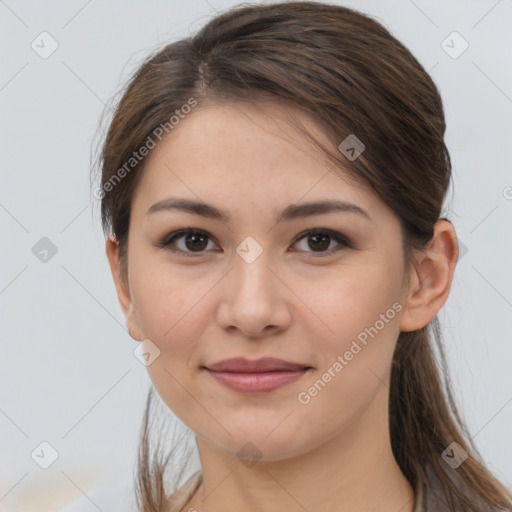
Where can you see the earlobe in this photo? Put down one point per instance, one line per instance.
(430, 285)
(122, 288)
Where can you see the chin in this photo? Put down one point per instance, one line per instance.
(251, 445)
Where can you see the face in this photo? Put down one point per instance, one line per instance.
(320, 288)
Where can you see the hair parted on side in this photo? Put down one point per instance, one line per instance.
(350, 74)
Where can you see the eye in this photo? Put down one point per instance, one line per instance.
(321, 239)
(196, 240)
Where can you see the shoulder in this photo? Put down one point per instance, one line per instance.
(114, 495)
(180, 497)
(431, 498)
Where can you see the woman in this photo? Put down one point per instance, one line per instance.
(271, 189)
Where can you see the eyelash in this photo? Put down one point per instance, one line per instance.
(171, 238)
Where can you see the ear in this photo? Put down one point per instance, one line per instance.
(122, 288)
(431, 280)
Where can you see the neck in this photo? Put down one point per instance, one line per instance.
(354, 471)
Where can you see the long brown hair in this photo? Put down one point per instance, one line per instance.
(347, 71)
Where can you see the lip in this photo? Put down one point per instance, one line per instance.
(264, 364)
(256, 376)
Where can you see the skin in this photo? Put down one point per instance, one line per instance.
(333, 453)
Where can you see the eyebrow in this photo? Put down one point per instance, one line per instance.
(291, 212)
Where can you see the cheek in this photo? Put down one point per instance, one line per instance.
(167, 316)
(356, 337)
(356, 370)
(171, 311)
(169, 303)
(347, 301)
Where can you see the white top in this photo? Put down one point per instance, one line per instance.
(179, 498)
(119, 496)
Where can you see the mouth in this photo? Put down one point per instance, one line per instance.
(259, 376)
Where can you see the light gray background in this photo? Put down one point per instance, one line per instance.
(68, 375)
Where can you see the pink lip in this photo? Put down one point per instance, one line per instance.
(257, 382)
(264, 364)
(258, 376)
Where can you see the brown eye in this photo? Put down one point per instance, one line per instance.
(319, 240)
(193, 241)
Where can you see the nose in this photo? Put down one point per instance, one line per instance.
(255, 301)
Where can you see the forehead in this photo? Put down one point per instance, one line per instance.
(245, 156)
(241, 137)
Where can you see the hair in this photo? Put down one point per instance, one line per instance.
(346, 71)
